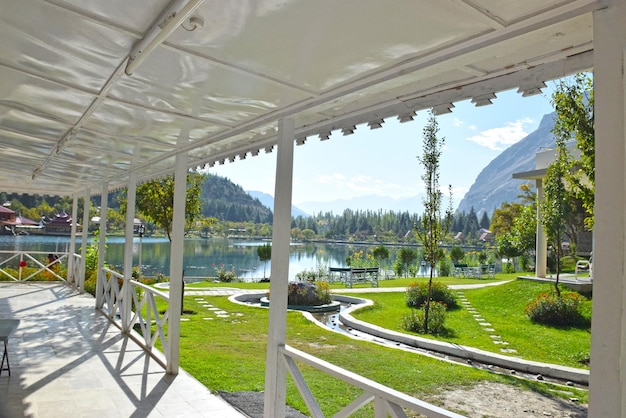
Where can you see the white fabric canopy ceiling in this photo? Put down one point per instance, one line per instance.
(72, 119)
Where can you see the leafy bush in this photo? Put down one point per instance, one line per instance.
(320, 272)
(550, 309)
(416, 294)
(508, 268)
(445, 269)
(308, 294)
(456, 254)
(224, 275)
(414, 320)
(359, 259)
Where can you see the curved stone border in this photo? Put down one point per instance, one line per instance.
(331, 307)
(580, 376)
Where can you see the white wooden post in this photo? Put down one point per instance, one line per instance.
(608, 325)
(70, 258)
(176, 264)
(131, 198)
(275, 369)
(85, 236)
(541, 245)
(104, 207)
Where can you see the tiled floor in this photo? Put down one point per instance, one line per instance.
(67, 360)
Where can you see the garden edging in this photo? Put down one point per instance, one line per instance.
(580, 376)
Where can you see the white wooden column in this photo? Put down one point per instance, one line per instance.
(131, 198)
(70, 258)
(275, 370)
(104, 207)
(541, 245)
(85, 236)
(176, 264)
(607, 397)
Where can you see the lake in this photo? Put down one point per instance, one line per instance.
(200, 255)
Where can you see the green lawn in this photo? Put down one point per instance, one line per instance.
(503, 307)
(228, 354)
(399, 282)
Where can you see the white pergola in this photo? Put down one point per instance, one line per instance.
(98, 95)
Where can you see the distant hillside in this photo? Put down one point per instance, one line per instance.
(495, 184)
(268, 200)
(226, 200)
(370, 202)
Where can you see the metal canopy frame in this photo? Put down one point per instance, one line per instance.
(101, 95)
(215, 85)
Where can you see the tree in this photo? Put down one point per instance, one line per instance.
(405, 257)
(556, 206)
(435, 225)
(380, 253)
(573, 103)
(206, 224)
(155, 200)
(308, 234)
(515, 224)
(265, 254)
(484, 221)
(456, 254)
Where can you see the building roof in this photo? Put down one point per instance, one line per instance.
(6, 210)
(87, 100)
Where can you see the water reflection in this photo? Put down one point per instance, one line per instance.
(200, 255)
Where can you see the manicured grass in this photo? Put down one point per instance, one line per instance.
(228, 354)
(503, 307)
(398, 282)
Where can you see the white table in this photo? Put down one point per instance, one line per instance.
(7, 327)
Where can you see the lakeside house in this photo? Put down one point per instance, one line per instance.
(15, 224)
(60, 224)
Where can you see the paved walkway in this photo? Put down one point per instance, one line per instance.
(68, 360)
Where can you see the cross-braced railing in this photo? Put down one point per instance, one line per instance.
(21, 266)
(146, 313)
(133, 305)
(387, 401)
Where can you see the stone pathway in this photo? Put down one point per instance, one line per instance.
(217, 313)
(486, 326)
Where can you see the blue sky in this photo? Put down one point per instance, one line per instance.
(384, 161)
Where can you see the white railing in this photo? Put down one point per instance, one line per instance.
(77, 274)
(23, 262)
(387, 401)
(138, 308)
(111, 297)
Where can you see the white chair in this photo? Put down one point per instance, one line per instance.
(584, 266)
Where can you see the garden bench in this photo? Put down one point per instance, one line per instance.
(363, 275)
(339, 274)
(350, 276)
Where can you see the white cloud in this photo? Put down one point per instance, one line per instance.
(500, 138)
(360, 185)
(457, 122)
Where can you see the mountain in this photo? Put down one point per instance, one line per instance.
(226, 200)
(268, 200)
(495, 184)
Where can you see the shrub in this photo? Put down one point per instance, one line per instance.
(550, 309)
(416, 294)
(508, 268)
(414, 320)
(308, 294)
(224, 275)
(444, 268)
(320, 272)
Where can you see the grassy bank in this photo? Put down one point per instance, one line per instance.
(503, 307)
(227, 353)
